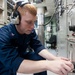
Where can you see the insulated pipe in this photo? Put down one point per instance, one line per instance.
(40, 15)
(40, 21)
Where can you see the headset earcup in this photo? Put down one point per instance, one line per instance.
(15, 18)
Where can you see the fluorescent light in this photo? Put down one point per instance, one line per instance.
(20, 0)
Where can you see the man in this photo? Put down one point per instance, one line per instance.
(14, 41)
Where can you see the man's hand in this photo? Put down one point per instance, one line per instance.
(62, 58)
(60, 67)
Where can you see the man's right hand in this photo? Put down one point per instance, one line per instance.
(60, 67)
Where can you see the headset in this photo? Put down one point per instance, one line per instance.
(15, 16)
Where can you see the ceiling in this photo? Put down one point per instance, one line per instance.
(48, 4)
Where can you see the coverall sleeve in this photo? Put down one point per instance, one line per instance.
(9, 56)
(36, 43)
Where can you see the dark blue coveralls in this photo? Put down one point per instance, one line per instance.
(13, 49)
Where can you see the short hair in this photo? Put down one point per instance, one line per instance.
(27, 7)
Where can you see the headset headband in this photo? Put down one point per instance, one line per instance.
(21, 4)
(16, 17)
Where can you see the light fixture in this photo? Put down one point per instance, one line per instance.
(37, 1)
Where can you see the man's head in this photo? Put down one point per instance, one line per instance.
(27, 16)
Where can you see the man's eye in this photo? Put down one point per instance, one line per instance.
(29, 22)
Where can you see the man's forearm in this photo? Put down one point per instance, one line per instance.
(29, 66)
(47, 55)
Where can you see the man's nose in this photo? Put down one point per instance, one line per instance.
(32, 26)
